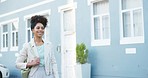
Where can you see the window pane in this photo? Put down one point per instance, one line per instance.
(29, 35)
(6, 40)
(100, 7)
(128, 4)
(96, 28)
(14, 26)
(16, 38)
(5, 28)
(13, 39)
(101, 19)
(105, 27)
(95, 8)
(126, 24)
(137, 23)
(33, 35)
(3, 40)
(68, 20)
(28, 23)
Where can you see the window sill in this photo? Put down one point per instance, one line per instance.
(4, 49)
(103, 42)
(14, 49)
(132, 40)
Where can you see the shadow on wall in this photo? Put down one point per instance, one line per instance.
(14, 76)
(14, 73)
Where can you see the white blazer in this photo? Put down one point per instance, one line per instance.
(29, 52)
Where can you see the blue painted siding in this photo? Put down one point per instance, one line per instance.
(111, 61)
(107, 61)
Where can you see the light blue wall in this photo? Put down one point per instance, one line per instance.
(107, 61)
(145, 6)
(111, 61)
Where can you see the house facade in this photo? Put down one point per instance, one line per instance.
(114, 32)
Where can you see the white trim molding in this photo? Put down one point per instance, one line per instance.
(44, 12)
(8, 21)
(93, 1)
(26, 8)
(132, 40)
(67, 7)
(103, 42)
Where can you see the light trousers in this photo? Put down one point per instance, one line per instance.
(40, 73)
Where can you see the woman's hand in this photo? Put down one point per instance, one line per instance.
(34, 62)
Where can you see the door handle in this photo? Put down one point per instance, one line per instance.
(59, 48)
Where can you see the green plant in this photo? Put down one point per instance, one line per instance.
(81, 53)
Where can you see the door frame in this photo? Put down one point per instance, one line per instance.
(61, 9)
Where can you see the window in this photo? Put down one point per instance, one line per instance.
(5, 37)
(14, 35)
(9, 37)
(100, 23)
(132, 30)
(68, 21)
(29, 33)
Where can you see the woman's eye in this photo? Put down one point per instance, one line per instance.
(40, 27)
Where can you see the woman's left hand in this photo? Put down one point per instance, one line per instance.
(34, 62)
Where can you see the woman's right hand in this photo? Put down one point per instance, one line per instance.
(34, 62)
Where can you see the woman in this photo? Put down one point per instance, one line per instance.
(38, 53)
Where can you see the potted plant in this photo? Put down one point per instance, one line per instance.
(82, 68)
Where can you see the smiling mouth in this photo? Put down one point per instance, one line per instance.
(39, 32)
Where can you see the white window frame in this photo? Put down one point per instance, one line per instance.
(15, 47)
(99, 42)
(130, 40)
(44, 12)
(4, 23)
(8, 22)
(6, 33)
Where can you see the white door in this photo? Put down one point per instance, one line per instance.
(68, 44)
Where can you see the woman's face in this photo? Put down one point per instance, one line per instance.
(38, 30)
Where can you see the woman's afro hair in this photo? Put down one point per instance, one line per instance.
(38, 19)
